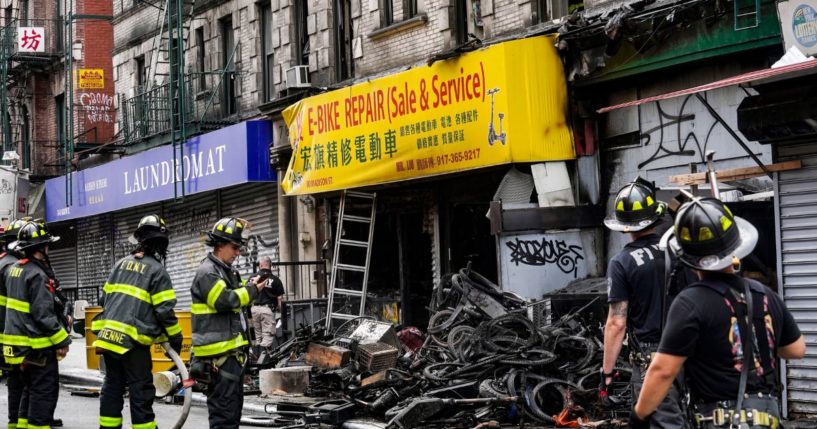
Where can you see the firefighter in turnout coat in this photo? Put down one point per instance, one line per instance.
(220, 324)
(15, 377)
(137, 311)
(35, 334)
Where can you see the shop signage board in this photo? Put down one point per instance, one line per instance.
(91, 79)
(31, 39)
(798, 24)
(501, 104)
(226, 157)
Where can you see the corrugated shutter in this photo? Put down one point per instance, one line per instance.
(796, 213)
(257, 203)
(187, 222)
(64, 263)
(94, 250)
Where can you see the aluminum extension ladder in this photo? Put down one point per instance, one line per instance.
(344, 292)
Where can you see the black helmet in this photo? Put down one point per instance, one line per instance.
(229, 230)
(707, 236)
(32, 235)
(11, 230)
(636, 208)
(150, 227)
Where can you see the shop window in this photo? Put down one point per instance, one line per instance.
(267, 60)
(200, 53)
(7, 15)
(344, 58)
(301, 33)
(228, 100)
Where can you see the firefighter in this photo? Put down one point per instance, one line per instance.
(730, 365)
(16, 393)
(137, 311)
(635, 294)
(35, 336)
(220, 325)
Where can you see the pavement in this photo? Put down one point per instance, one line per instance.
(83, 411)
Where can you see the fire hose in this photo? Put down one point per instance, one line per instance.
(168, 384)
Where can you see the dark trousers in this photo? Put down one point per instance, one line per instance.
(18, 396)
(668, 415)
(225, 397)
(43, 386)
(131, 370)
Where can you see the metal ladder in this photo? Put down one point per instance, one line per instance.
(336, 292)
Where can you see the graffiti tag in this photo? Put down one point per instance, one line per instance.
(98, 107)
(543, 251)
(675, 134)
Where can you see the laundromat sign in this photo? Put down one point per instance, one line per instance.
(229, 156)
(504, 103)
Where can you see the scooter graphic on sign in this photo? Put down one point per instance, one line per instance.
(492, 135)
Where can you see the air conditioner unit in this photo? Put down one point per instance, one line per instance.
(298, 77)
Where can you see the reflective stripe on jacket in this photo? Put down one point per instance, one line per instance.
(137, 306)
(218, 296)
(6, 260)
(32, 322)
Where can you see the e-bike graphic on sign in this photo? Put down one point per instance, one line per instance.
(493, 136)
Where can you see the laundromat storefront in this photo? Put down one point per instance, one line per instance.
(226, 173)
(502, 104)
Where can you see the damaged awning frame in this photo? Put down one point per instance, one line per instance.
(751, 78)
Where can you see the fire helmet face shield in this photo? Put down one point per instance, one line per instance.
(635, 208)
(709, 237)
(33, 234)
(229, 230)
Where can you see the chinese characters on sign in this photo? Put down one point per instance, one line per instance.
(464, 113)
(91, 79)
(30, 39)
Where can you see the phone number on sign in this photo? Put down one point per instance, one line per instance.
(455, 157)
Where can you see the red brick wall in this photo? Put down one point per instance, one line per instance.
(95, 107)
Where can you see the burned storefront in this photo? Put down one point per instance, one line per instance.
(430, 148)
(661, 111)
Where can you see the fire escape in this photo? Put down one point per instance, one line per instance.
(168, 109)
(27, 47)
(32, 52)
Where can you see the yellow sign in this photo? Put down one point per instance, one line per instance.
(91, 79)
(504, 103)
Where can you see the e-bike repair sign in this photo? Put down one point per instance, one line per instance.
(501, 104)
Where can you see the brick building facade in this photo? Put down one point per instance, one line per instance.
(35, 78)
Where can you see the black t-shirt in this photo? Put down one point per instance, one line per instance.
(635, 275)
(702, 326)
(269, 295)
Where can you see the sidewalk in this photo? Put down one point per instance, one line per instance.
(73, 370)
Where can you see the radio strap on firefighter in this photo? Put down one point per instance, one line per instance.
(747, 336)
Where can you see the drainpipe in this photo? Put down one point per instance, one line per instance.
(279, 160)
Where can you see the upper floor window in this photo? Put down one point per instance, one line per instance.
(301, 33)
(267, 59)
(200, 53)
